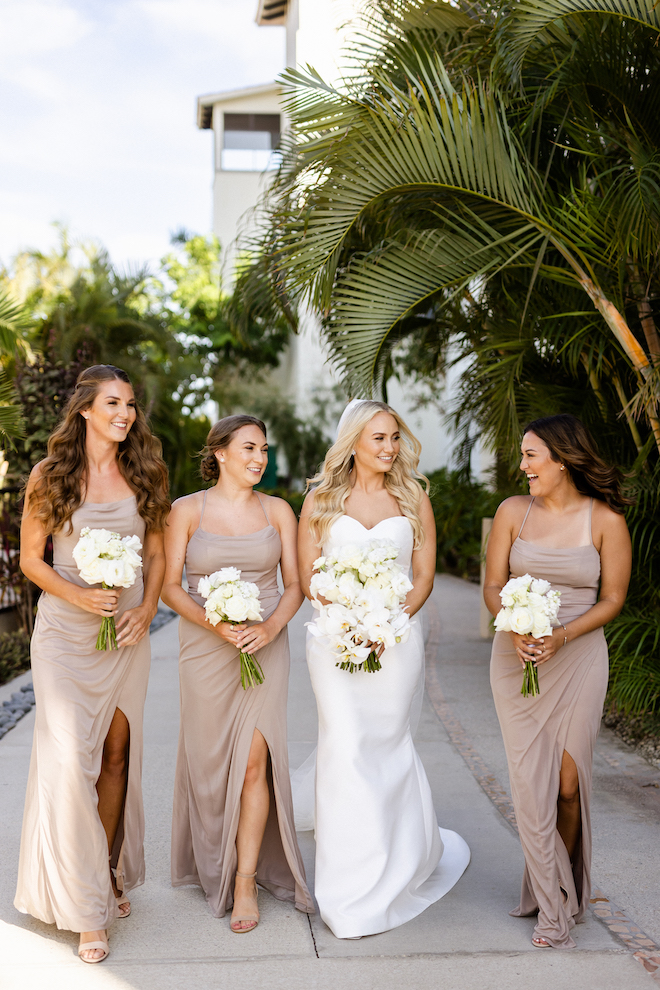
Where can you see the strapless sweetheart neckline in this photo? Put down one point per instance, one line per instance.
(368, 529)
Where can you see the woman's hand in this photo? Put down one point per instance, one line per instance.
(98, 601)
(134, 625)
(228, 631)
(526, 647)
(255, 637)
(539, 650)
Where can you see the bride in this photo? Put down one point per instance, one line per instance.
(380, 857)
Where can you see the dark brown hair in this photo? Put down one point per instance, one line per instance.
(58, 491)
(220, 436)
(570, 443)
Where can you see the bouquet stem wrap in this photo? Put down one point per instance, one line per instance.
(530, 684)
(107, 638)
(251, 672)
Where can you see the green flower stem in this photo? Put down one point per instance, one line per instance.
(251, 672)
(107, 638)
(530, 684)
(370, 665)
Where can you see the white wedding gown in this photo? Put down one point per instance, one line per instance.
(380, 857)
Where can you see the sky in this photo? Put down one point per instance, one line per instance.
(98, 116)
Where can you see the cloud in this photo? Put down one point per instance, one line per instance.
(30, 27)
(97, 114)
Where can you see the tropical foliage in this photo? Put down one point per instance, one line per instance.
(483, 188)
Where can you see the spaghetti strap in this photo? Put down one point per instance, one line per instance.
(591, 509)
(262, 506)
(199, 524)
(526, 514)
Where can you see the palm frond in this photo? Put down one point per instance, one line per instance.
(534, 24)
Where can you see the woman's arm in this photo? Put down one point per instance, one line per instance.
(134, 623)
(256, 637)
(308, 549)
(181, 524)
(507, 519)
(615, 567)
(423, 560)
(33, 543)
(500, 541)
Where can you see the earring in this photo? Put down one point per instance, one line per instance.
(352, 453)
(562, 467)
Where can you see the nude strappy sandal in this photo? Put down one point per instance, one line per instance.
(250, 917)
(85, 946)
(121, 900)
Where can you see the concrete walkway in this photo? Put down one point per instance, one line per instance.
(465, 940)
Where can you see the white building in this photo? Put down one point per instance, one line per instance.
(246, 125)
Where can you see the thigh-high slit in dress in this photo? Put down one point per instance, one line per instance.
(218, 721)
(565, 717)
(63, 875)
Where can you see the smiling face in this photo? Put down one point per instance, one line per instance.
(245, 458)
(542, 471)
(112, 414)
(378, 444)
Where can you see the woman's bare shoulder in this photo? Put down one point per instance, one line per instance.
(277, 508)
(187, 506)
(605, 519)
(513, 508)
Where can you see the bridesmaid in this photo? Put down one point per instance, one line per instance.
(84, 794)
(575, 536)
(233, 817)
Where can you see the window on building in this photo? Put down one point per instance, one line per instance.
(250, 142)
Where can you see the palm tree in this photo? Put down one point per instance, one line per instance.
(480, 144)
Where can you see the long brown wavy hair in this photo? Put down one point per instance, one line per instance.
(570, 443)
(58, 491)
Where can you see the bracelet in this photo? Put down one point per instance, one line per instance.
(566, 634)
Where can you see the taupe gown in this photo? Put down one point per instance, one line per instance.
(565, 716)
(63, 875)
(218, 720)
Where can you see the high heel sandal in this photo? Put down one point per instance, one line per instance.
(85, 946)
(120, 897)
(250, 917)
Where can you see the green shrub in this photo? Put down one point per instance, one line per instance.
(14, 654)
(459, 505)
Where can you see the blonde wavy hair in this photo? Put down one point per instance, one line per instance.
(332, 484)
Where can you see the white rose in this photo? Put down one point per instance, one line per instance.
(226, 574)
(503, 620)
(521, 620)
(541, 627)
(254, 610)
(204, 587)
(348, 587)
(92, 572)
(236, 608)
(401, 584)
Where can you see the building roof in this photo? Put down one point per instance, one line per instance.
(271, 12)
(206, 103)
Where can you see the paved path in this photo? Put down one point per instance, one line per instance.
(465, 940)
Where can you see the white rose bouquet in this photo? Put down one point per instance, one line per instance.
(366, 589)
(529, 606)
(112, 561)
(228, 599)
